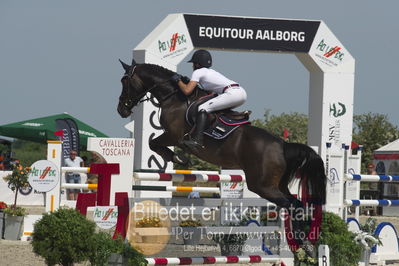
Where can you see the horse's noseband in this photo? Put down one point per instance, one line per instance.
(129, 103)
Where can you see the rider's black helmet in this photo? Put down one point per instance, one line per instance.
(202, 57)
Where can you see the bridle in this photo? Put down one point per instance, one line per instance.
(129, 103)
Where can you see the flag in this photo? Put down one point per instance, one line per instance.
(354, 145)
(59, 133)
(286, 134)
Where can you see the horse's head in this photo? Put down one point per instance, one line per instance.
(132, 90)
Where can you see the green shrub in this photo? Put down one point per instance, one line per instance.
(344, 251)
(134, 258)
(63, 237)
(102, 246)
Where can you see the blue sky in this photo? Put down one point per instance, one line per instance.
(62, 56)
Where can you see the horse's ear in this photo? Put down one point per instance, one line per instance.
(125, 66)
(133, 62)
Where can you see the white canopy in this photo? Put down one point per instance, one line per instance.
(392, 147)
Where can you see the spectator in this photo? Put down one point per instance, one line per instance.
(95, 158)
(73, 161)
(194, 195)
(1, 161)
(371, 169)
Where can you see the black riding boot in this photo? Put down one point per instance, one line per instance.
(197, 137)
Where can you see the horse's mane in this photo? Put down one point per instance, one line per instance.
(158, 69)
(166, 73)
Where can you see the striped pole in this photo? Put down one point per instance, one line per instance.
(79, 186)
(188, 177)
(371, 178)
(177, 189)
(371, 202)
(211, 260)
(75, 169)
(148, 188)
(166, 171)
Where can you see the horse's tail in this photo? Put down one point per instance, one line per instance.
(303, 160)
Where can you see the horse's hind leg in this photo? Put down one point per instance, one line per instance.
(266, 185)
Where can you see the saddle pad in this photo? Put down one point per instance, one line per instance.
(223, 127)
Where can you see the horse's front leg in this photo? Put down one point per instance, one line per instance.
(160, 145)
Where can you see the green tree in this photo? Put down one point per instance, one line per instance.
(28, 152)
(372, 131)
(344, 251)
(295, 123)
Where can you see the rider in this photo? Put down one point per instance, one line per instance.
(230, 93)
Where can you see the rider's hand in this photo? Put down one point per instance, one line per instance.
(176, 78)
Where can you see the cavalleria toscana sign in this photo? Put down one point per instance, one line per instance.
(43, 176)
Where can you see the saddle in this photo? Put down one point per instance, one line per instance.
(221, 123)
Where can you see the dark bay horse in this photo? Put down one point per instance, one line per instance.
(269, 162)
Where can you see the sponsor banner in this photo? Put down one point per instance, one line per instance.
(334, 185)
(251, 33)
(44, 176)
(61, 124)
(171, 43)
(338, 109)
(232, 190)
(75, 138)
(105, 216)
(71, 138)
(329, 53)
(116, 150)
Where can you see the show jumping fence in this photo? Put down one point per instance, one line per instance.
(211, 260)
(344, 188)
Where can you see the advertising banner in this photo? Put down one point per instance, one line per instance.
(44, 176)
(105, 216)
(242, 33)
(71, 138)
(116, 150)
(75, 140)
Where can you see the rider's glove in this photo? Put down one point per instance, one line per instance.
(176, 78)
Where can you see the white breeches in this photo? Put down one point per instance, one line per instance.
(231, 98)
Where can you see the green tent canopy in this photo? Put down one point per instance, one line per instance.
(43, 128)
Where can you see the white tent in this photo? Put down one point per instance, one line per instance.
(390, 148)
(386, 160)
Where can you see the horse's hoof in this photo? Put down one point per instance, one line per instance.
(192, 144)
(309, 248)
(180, 159)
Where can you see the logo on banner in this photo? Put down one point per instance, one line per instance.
(334, 132)
(331, 55)
(232, 190)
(333, 177)
(337, 110)
(173, 46)
(43, 176)
(105, 216)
